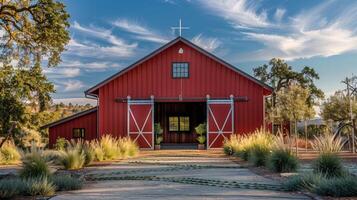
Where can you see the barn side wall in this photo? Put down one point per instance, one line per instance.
(153, 77)
(64, 130)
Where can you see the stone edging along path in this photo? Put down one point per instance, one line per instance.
(118, 175)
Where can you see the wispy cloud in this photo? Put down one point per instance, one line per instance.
(116, 46)
(89, 49)
(324, 30)
(140, 32)
(60, 72)
(73, 85)
(313, 33)
(240, 13)
(279, 14)
(207, 43)
(96, 65)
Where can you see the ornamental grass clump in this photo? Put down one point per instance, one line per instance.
(9, 188)
(66, 182)
(259, 148)
(9, 153)
(328, 162)
(97, 150)
(35, 164)
(303, 182)
(345, 186)
(282, 159)
(254, 147)
(232, 144)
(73, 157)
(39, 186)
(328, 143)
(110, 147)
(127, 147)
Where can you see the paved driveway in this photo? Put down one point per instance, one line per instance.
(174, 174)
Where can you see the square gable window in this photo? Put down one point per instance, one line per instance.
(180, 70)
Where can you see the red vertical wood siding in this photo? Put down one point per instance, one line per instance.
(153, 77)
(64, 130)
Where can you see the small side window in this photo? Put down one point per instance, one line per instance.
(79, 132)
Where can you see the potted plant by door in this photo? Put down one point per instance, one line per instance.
(201, 135)
(158, 136)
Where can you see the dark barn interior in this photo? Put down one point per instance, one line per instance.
(178, 121)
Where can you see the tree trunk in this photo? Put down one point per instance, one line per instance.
(296, 138)
(305, 135)
(354, 137)
(8, 135)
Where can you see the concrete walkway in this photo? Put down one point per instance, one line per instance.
(174, 174)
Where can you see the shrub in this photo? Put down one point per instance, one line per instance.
(328, 164)
(34, 164)
(9, 188)
(66, 182)
(201, 130)
(61, 144)
(282, 161)
(158, 133)
(127, 147)
(9, 153)
(337, 187)
(39, 186)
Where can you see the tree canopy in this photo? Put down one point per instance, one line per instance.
(32, 32)
(33, 29)
(19, 89)
(337, 108)
(278, 74)
(292, 104)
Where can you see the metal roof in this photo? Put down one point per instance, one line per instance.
(69, 118)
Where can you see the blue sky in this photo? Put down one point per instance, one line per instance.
(109, 35)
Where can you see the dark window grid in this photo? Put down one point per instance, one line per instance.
(180, 70)
(78, 132)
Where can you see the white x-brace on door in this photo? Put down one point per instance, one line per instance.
(220, 121)
(141, 122)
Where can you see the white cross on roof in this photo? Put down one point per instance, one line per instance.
(180, 27)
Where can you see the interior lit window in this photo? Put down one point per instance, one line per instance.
(184, 123)
(173, 124)
(179, 123)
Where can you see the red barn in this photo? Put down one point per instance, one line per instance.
(179, 86)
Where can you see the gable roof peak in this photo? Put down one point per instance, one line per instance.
(91, 91)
